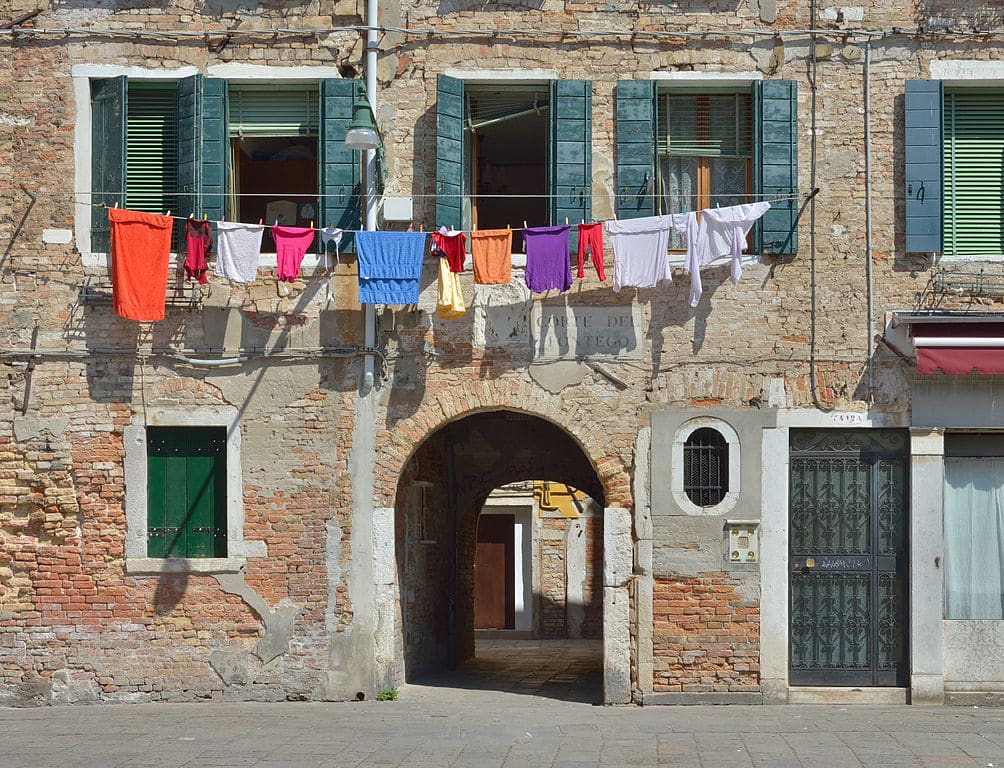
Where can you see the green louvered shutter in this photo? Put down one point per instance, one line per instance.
(635, 137)
(775, 164)
(973, 165)
(449, 152)
(922, 150)
(202, 146)
(339, 165)
(109, 101)
(186, 492)
(571, 154)
(152, 147)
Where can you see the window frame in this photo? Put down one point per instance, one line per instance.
(236, 74)
(678, 457)
(137, 560)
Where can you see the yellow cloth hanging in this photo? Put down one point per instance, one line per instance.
(451, 300)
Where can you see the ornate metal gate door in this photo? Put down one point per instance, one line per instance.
(848, 557)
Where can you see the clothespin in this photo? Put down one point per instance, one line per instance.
(168, 214)
(566, 221)
(582, 221)
(311, 223)
(509, 227)
(276, 223)
(524, 224)
(116, 203)
(421, 227)
(191, 216)
(259, 222)
(205, 217)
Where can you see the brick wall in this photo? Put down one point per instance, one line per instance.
(705, 635)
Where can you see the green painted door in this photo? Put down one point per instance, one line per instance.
(848, 557)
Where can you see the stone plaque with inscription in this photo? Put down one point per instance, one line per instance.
(561, 330)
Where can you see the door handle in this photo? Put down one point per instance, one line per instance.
(810, 563)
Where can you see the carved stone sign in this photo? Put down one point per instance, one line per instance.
(560, 330)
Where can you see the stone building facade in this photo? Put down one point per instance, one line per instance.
(835, 449)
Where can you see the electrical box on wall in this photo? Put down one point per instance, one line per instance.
(743, 541)
(397, 209)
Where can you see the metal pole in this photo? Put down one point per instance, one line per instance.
(370, 178)
(868, 219)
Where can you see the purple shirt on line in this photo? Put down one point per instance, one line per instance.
(547, 263)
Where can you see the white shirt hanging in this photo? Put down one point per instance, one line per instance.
(641, 251)
(723, 234)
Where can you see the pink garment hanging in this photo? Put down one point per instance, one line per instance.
(291, 244)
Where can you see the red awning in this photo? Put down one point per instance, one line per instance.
(959, 348)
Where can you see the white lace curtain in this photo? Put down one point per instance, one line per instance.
(974, 538)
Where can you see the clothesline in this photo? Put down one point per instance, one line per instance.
(261, 222)
(535, 196)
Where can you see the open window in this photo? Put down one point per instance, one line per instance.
(513, 152)
(274, 142)
(705, 152)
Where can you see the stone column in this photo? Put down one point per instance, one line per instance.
(644, 581)
(388, 665)
(927, 552)
(774, 567)
(617, 567)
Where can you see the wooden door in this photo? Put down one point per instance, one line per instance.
(495, 573)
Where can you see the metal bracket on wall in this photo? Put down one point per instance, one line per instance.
(184, 297)
(960, 283)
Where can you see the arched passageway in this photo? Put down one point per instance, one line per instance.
(441, 494)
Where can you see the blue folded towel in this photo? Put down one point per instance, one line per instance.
(390, 266)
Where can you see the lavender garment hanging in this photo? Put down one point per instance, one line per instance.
(548, 266)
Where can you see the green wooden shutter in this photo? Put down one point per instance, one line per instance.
(152, 148)
(973, 165)
(203, 146)
(922, 151)
(449, 152)
(186, 492)
(571, 153)
(635, 137)
(109, 101)
(775, 164)
(339, 171)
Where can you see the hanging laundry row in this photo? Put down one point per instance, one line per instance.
(390, 263)
(141, 250)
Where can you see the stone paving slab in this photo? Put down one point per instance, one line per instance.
(436, 726)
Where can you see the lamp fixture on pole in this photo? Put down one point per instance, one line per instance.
(362, 132)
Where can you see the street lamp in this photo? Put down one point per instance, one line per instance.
(362, 132)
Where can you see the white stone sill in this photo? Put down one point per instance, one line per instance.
(152, 566)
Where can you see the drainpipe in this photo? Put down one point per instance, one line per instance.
(370, 179)
(868, 217)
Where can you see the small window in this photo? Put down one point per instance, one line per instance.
(186, 492)
(705, 148)
(706, 467)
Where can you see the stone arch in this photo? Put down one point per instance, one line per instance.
(609, 453)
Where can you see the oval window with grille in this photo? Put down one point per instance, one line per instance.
(706, 467)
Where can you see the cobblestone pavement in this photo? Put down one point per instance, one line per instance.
(507, 709)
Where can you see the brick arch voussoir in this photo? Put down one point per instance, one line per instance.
(472, 398)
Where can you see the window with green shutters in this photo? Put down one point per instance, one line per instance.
(691, 146)
(186, 492)
(159, 146)
(973, 166)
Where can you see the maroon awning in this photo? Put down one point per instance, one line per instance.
(959, 348)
